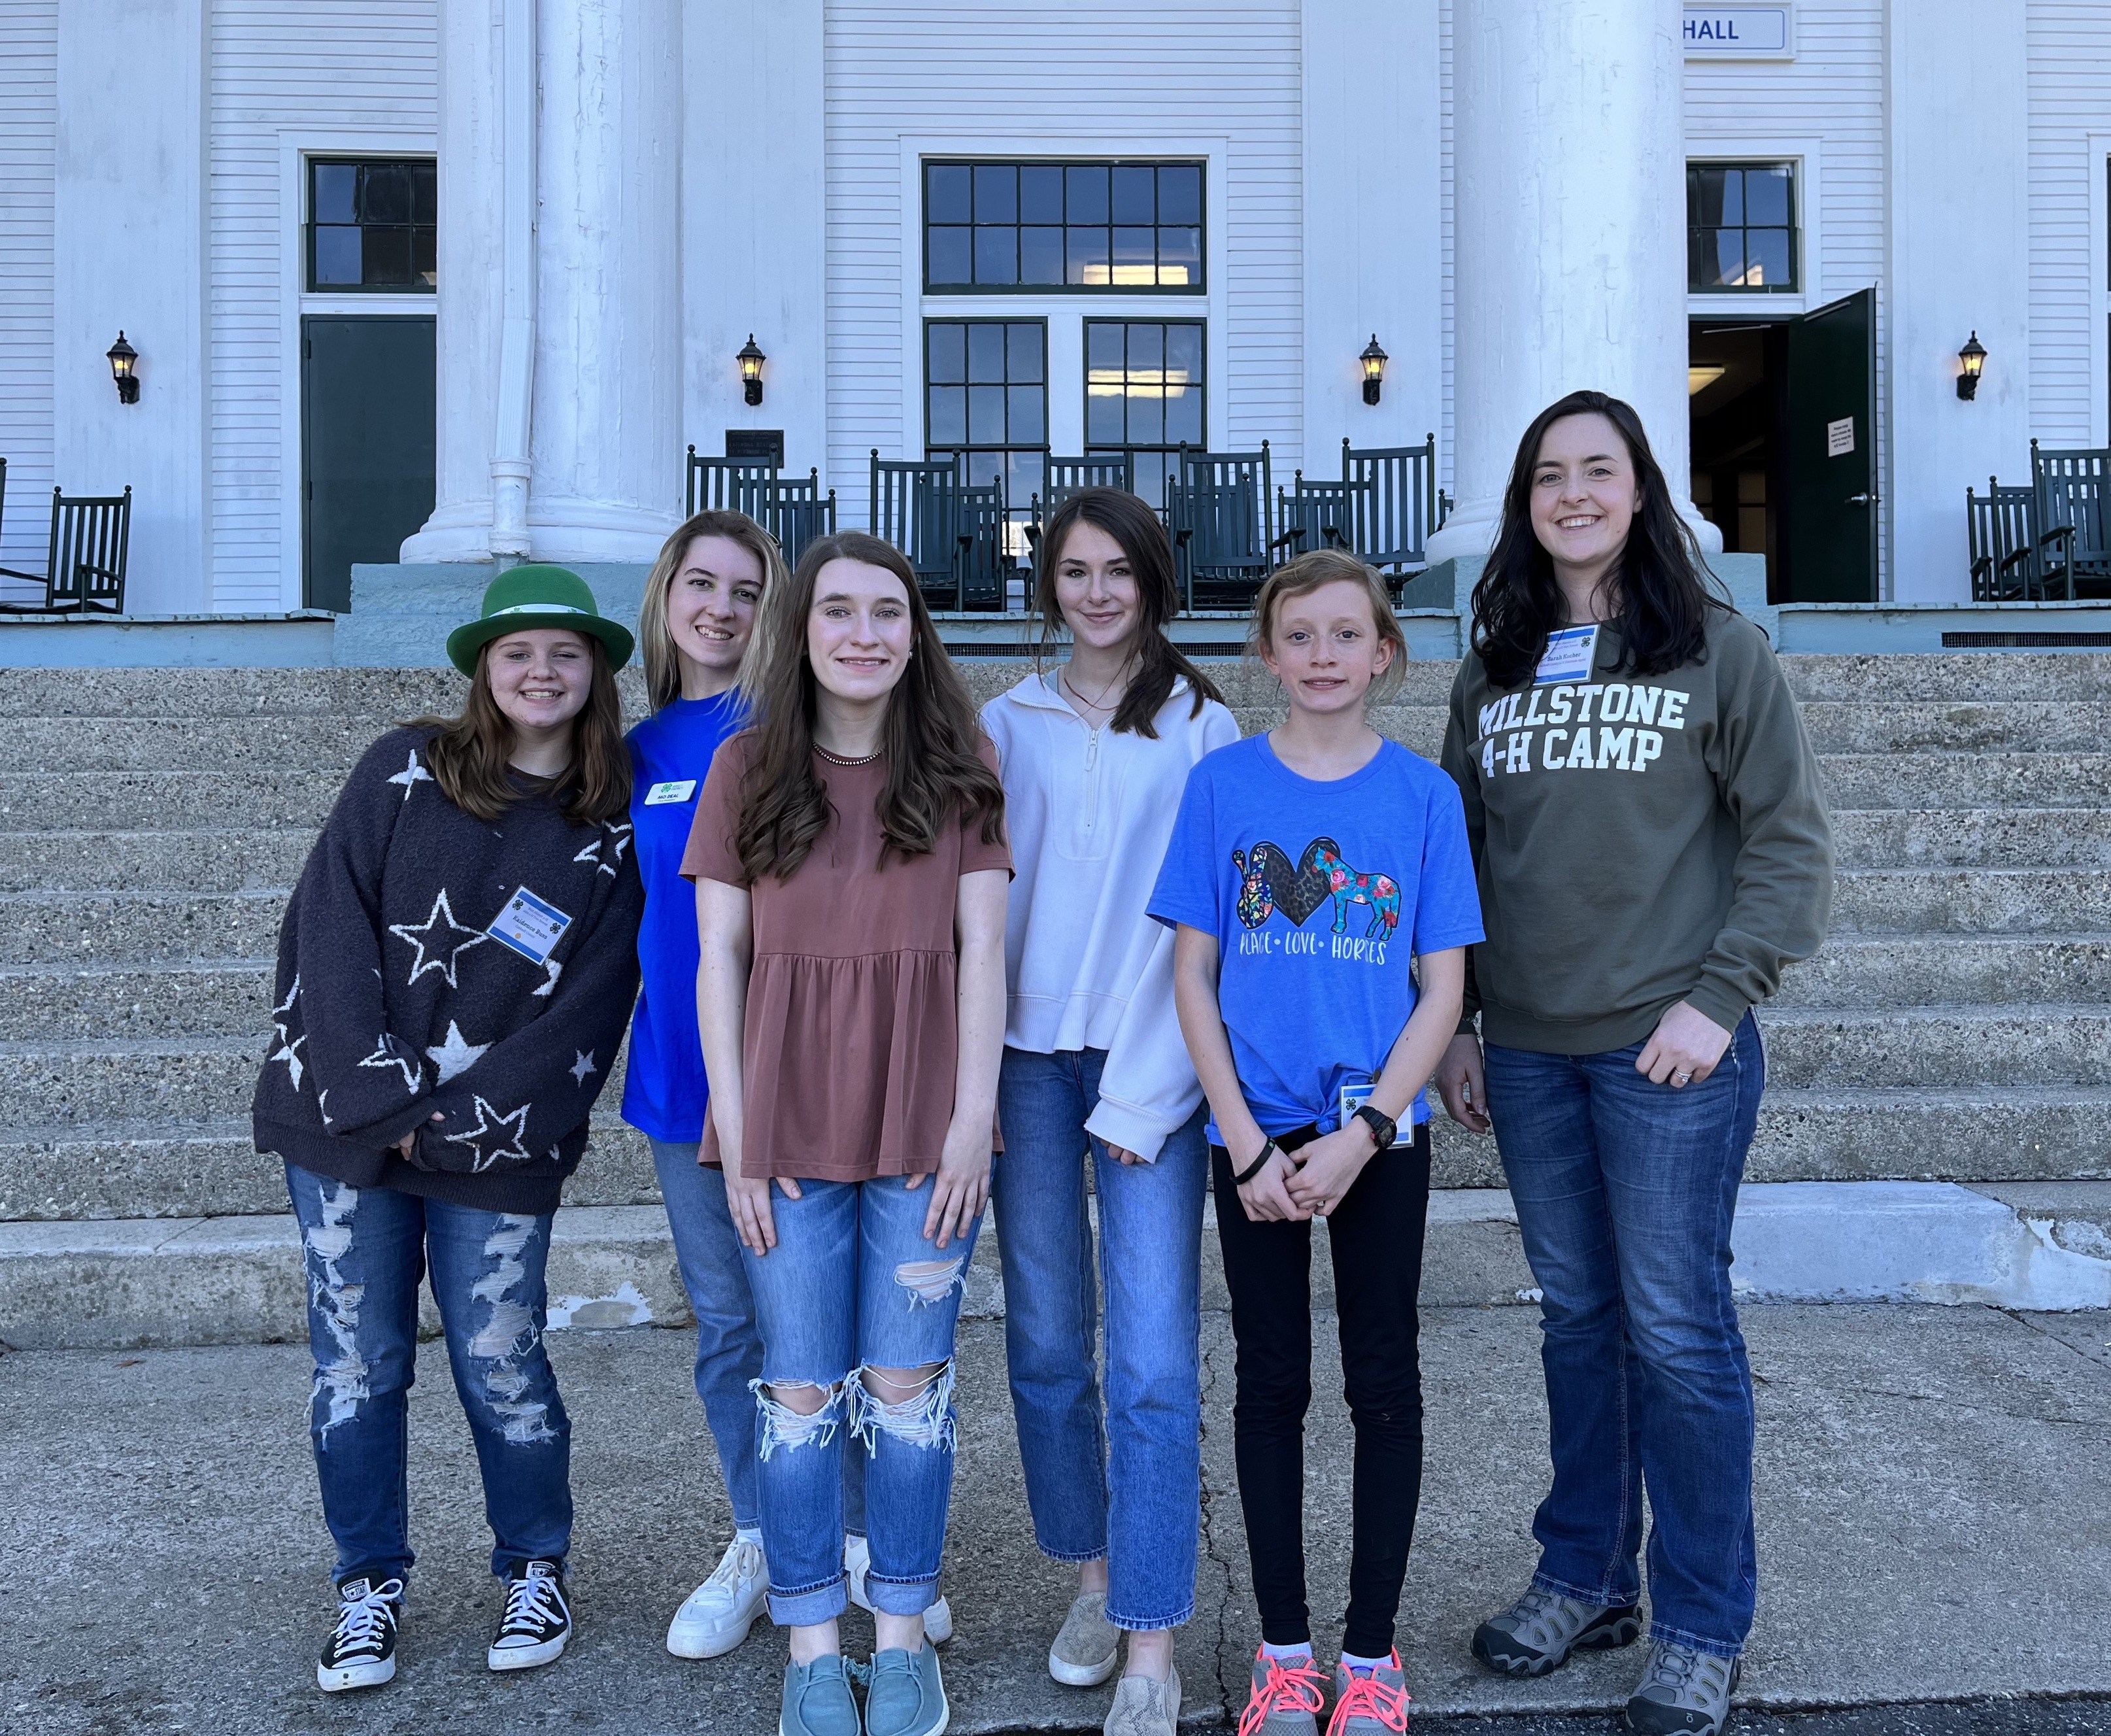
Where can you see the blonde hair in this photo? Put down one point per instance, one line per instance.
(1306, 573)
(655, 638)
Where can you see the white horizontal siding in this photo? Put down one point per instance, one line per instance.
(1448, 298)
(314, 66)
(1153, 75)
(29, 123)
(2070, 85)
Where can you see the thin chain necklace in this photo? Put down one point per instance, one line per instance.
(1100, 704)
(841, 759)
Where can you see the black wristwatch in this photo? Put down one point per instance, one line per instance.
(1382, 1126)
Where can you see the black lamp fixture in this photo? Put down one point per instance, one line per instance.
(1973, 356)
(123, 359)
(751, 360)
(1373, 360)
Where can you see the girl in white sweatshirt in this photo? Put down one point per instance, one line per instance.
(1094, 758)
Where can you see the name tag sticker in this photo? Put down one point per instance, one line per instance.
(661, 794)
(530, 925)
(1571, 654)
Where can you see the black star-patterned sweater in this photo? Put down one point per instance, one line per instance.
(432, 962)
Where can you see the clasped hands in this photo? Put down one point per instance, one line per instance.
(1294, 1187)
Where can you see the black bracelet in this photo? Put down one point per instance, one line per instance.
(1268, 1149)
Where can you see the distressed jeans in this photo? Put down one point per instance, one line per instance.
(365, 1250)
(1130, 1491)
(729, 1344)
(853, 1285)
(1625, 1194)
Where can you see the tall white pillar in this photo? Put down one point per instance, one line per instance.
(602, 372)
(1568, 225)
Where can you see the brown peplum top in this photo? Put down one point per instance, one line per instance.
(852, 1041)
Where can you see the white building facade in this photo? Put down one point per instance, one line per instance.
(465, 278)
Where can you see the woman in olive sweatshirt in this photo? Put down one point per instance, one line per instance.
(1652, 848)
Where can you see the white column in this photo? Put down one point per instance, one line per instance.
(1958, 169)
(604, 452)
(129, 225)
(1569, 203)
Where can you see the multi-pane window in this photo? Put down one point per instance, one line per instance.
(986, 401)
(1740, 226)
(373, 225)
(1143, 390)
(1056, 225)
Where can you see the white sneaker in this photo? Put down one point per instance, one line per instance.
(716, 1616)
(857, 1562)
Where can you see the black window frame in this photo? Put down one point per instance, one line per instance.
(976, 225)
(1094, 447)
(411, 227)
(1791, 170)
(1017, 503)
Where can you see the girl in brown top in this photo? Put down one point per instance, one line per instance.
(851, 874)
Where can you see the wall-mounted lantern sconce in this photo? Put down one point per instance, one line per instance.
(1373, 360)
(751, 360)
(1973, 356)
(123, 359)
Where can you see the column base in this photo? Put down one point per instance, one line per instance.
(570, 532)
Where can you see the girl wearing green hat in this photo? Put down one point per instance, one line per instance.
(455, 972)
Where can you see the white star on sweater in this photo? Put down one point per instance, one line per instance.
(489, 1121)
(288, 1052)
(552, 970)
(582, 1065)
(445, 950)
(383, 1057)
(411, 775)
(456, 1055)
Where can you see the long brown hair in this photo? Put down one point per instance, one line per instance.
(655, 641)
(1132, 524)
(930, 736)
(470, 755)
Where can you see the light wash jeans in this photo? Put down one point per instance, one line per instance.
(1625, 1193)
(1130, 1491)
(853, 1284)
(728, 1346)
(365, 1250)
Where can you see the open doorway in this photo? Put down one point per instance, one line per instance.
(1783, 445)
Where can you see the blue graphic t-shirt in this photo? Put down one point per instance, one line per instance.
(664, 1091)
(1320, 894)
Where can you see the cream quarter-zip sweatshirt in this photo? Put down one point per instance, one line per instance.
(1089, 812)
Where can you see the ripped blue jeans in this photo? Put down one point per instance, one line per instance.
(365, 1250)
(852, 1286)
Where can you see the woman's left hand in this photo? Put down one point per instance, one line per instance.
(960, 1186)
(1684, 1048)
(1329, 1167)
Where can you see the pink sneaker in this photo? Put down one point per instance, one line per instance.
(1369, 1701)
(1288, 1693)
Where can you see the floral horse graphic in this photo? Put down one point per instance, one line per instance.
(1270, 881)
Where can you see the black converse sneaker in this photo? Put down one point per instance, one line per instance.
(538, 1619)
(361, 1652)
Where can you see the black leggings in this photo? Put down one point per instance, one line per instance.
(1376, 1236)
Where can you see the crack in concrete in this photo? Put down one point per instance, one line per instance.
(2021, 1319)
(1223, 1638)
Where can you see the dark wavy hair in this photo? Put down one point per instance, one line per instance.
(1660, 585)
(470, 756)
(930, 735)
(1133, 525)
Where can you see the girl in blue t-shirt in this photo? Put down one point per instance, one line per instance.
(693, 625)
(1308, 867)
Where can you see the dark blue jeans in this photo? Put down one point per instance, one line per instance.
(1625, 1193)
(365, 1250)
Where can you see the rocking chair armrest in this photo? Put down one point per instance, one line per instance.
(1295, 534)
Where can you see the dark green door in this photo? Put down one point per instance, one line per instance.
(367, 420)
(1831, 438)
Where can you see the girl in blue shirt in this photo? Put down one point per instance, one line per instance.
(1307, 866)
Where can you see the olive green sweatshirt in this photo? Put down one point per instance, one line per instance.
(1639, 841)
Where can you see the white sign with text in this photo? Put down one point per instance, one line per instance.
(1739, 32)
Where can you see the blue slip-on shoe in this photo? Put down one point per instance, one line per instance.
(905, 1696)
(818, 1699)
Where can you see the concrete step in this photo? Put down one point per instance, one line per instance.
(138, 927)
(138, 1003)
(262, 796)
(1980, 1133)
(1944, 1047)
(231, 860)
(1972, 837)
(1945, 677)
(1875, 971)
(67, 745)
(188, 1078)
(1871, 900)
(236, 692)
(132, 1284)
(1965, 780)
(1952, 726)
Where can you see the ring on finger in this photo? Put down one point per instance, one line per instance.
(1682, 1077)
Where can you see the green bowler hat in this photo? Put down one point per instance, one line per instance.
(535, 595)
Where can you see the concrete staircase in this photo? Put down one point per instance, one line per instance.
(1954, 1036)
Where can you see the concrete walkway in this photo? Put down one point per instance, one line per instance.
(1933, 1526)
